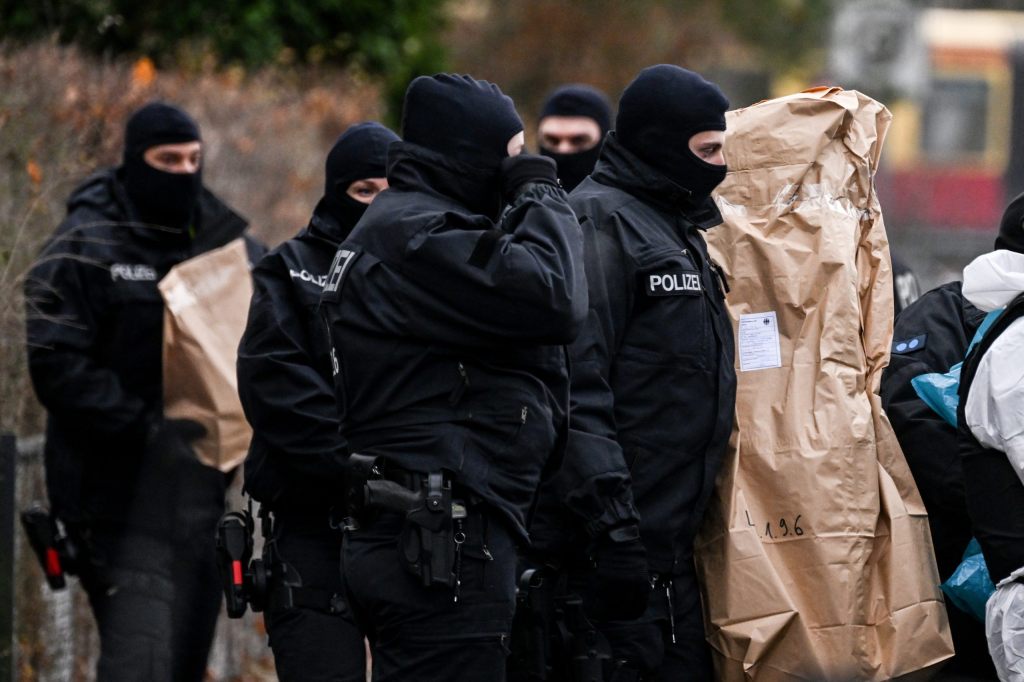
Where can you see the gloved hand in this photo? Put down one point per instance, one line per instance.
(523, 169)
(621, 581)
(170, 441)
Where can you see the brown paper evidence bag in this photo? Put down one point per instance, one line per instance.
(206, 301)
(815, 556)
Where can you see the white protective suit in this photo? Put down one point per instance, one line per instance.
(995, 415)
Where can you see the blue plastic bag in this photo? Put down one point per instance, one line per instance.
(970, 586)
(941, 391)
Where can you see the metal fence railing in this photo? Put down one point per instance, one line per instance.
(49, 636)
(8, 456)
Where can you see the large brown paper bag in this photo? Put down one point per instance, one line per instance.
(206, 303)
(815, 555)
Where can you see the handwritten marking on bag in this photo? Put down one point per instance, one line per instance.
(784, 528)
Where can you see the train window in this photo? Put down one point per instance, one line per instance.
(954, 119)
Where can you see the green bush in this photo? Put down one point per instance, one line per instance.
(394, 39)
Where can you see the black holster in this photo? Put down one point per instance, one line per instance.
(530, 645)
(428, 542)
(286, 589)
(57, 552)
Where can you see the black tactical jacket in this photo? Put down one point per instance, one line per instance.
(448, 328)
(297, 456)
(931, 335)
(653, 388)
(95, 333)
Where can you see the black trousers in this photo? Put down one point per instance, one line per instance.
(156, 604)
(422, 633)
(152, 577)
(666, 644)
(312, 632)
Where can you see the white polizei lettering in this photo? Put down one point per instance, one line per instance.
(133, 273)
(342, 259)
(307, 276)
(675, 282)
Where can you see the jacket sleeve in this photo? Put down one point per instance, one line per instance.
(289, 403)
(995, 404)
(518, 279)
(594, 479)
(63, 335)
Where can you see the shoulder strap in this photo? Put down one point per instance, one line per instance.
(996, 325)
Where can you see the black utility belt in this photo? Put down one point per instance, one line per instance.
(376, 485)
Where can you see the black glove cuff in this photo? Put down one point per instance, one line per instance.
(524, 169)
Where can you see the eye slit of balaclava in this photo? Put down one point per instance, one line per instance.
(159, 197)
(360, 152)
(660, 111)
(577, 100)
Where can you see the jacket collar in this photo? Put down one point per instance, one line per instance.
(325, 226)
(619, 167)
(415, 168)
(103, 193)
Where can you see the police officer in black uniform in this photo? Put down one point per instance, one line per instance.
(571, 126)
(139, 505)
(653, 388)
(296, 462)
(446, 314)
(932, 335)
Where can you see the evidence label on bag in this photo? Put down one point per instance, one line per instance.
(757, 341)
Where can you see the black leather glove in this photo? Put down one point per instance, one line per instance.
(170, 440)
(621, 581)
(523, 169)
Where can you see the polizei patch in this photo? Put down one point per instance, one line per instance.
(343, 260)
(675, 283)
(307, 276)
(132, 273)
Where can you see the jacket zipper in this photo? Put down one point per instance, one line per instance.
(460, 388)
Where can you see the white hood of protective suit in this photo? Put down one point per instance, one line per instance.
(995, 404)
(994, 279)
(995, 415)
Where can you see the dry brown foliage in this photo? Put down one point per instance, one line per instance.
(62, 115)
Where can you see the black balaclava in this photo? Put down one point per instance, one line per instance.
(577, 100)
(1011, 227)
(159, 197)
(467, 120)
(660, 111)
(360, 152)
